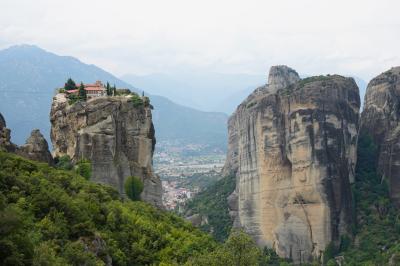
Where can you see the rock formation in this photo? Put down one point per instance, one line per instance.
(36, 147)
(292, 147)
(117, 137)
(380, 119)
(5, 136)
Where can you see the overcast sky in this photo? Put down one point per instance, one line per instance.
(357, 37)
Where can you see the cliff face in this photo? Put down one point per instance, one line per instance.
(5, 136)
(117, 137)
(380, 119)
(36, 147)
(292, 147)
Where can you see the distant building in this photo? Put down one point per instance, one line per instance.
(92, 90)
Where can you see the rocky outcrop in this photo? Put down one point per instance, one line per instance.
(380, 119)
(114, 134)
(5, 136)
(36, 147)
(292, 147)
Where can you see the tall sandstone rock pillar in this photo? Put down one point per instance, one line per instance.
(381, 120)
(116, 136)
(292, 147)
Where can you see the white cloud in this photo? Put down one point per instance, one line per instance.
(360, 37)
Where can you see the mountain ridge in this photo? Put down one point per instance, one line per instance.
(30, 74)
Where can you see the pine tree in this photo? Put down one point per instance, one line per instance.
(82, 92)
(70, 85)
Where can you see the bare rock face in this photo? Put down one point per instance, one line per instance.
(5, 136)
(36, 148)
(380, 119)
(280, 77)
(117, 137)
(292, 147)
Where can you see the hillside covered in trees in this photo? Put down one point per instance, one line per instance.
(50, 216)
(56, 217)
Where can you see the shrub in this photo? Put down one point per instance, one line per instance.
(84, 168)
(133, 187)
(63, 162)
(137, 100)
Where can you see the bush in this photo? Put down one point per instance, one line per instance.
(64, 162)
(137, 100)
(240, 249)
(133, 187)
(84, 168)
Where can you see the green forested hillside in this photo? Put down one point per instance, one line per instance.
(376, 239)
(55, 217)
(213, 204)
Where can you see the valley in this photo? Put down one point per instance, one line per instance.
(185, 170)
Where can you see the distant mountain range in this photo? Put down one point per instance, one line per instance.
(29, 76)
(206, 91)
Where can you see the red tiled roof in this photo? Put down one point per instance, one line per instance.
(94, 89)
(72, 91)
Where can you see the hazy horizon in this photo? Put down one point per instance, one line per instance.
(358, 38)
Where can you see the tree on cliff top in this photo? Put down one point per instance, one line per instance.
(82, 92)
(109, 89)
(70, 85)
(133, 187)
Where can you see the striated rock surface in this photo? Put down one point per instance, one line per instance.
(117, 137)
(380, 119)
(292, 147)
(5, 136)
(36, 148)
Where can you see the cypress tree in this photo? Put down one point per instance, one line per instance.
(108, 89)
(82, 92)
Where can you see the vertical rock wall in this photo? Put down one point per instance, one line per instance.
(117, 137)
(380, 119)
(292, 146)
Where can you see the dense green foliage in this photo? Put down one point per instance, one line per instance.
(55, 217)
(70, 85)
(84, 168)
(377, 232)
(133, 187)
(64, 162)
(136, 100)
(212, 203)
(82, 93)
(238, 250)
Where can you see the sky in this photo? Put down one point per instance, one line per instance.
(349, 37)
